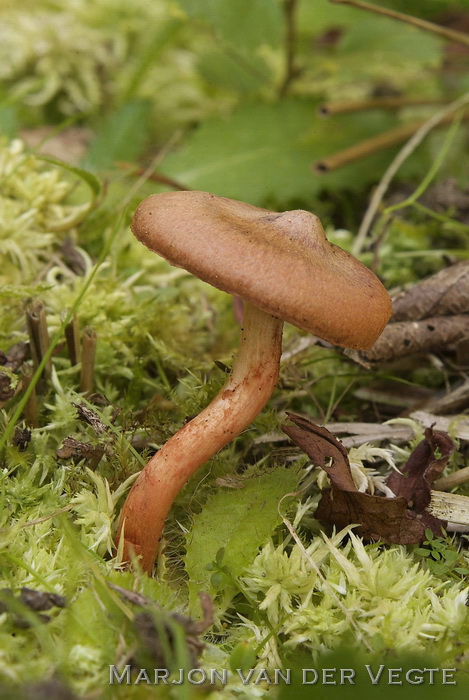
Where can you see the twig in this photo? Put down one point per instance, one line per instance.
(38, 521)
(366, 148)
(455, 479)
(291, 70)
(329, 109)
(445, 32)
(154, 177)
(72, 336)
(87, 360)
(38, 335)
(30, 409)
(396, 163)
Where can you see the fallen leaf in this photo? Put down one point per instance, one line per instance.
(76, 450)
(428, 316)
(407, 337)
(400, 520)
(21, 438)
(87, 415)
(444, 294)
(422, 468)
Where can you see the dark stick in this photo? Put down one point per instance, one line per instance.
(291, 70)
(87, 360)
(38, 334)
(72, 336)
(446, 32)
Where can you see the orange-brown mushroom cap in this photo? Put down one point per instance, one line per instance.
(280, 262)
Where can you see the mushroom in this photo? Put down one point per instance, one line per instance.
(284, 268)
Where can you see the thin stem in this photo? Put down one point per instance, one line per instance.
(38, 334)
(87, 360)
(72, 336)
(329, 109)
(446, 32)
(408, 148)
(457, 225)
(366, 148)
(30, 409)
(251, 383)
(291, 71)
(436, 165)
(452, 480)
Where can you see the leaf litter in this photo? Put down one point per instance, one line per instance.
(431, 315)
(399, 520)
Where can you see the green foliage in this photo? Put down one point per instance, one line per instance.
(264, 153)
(122, 135)
(443, 558)
(244, 24)
(253, 518)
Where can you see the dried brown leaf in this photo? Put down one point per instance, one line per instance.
(407, 337)
(426, 317)
(391, 520)
(424, 465)
(87, 415)
(443, 294)
(76, 450)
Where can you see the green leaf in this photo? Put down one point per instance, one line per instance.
(88, 178)
(221, 68)
(437, 568)
(450, 556)
(438, 545)
(239, 520)
(264, 152)
(376, 39)
(121, 136)
(245, 24)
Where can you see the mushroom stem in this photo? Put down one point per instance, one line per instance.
(248, 389)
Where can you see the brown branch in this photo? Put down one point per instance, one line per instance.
(329, 109)
(461, 476)
(154, 177)
(30, 410)
(38, 334)
(445, 32)
(407, 337)
(87, 360)
(366, 148)
(72, 336)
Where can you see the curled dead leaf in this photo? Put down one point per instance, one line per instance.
(407, 337)
(444, 294)
(428, 316)
(400, 520)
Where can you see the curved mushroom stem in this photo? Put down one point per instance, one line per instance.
(250, 386)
